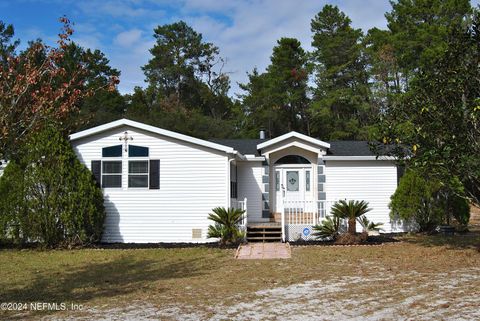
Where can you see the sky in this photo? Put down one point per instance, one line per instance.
(244, 31)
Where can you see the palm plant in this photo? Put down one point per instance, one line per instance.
(226, 224)
(329, 228)
(350, 210)
(368, 225)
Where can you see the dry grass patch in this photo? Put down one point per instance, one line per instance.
(206, 282)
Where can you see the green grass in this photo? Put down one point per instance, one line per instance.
(112, 277)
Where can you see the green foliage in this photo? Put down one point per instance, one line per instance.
(454, 202)
(277, 99)
(329, 228)
(428, 201)
(416, 199)
(188, 70)
(368, 225)
(7, 45)
(436, 48)
(226, 225)
(340, 109)
(13, 211)
(350, 210)
(50, 198)
(105, 104)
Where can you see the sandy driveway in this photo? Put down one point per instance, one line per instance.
(407, 296)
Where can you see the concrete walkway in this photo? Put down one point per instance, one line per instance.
(263, 251)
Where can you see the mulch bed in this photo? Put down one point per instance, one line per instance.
(373, 240)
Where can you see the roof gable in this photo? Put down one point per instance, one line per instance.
(292, 134)
(152, 129)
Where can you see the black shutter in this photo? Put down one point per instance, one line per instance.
(154, 174)
(97, 170)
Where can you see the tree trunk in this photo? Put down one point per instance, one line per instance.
(352, 225)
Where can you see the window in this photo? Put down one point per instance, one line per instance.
(138, 173)
(137, 151)
(292, 181)
(277, 180)
(112, 174)
(233, 190)
(112, 151)
(307, 181)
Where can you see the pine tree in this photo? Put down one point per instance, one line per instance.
(341, 99)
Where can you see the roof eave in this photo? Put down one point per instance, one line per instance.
(152, 129)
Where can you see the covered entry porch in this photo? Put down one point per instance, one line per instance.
(293, 185)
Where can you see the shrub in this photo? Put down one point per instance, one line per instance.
(328, 229)
(226, 225)
(351, 211)
(455, 203)
(429, 202)
(12, 204)
(416, 199)
(54, 198)
(367, 225)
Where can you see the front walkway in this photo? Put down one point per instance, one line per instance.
(263, 251)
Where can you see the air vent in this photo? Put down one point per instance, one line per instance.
(196, 233)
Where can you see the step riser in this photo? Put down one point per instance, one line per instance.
(264, 234)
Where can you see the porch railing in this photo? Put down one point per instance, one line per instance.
(243, 206)
(303, 212)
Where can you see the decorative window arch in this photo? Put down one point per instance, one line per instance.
(292, 159)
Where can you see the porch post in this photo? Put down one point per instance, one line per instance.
(283, 222)
(246, 212)
(321, 194)
(266, 190)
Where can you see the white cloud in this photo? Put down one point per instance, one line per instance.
(245, 31)
(128, 38)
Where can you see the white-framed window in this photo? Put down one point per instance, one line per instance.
(141, 171)
(112, 173)
(138, 173)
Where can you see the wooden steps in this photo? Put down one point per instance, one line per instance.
(264, 233)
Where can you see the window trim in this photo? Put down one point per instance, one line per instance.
(138, 159)
(308, 177)
(233, 189)
(111, 159)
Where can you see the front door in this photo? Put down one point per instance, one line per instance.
(293, 183)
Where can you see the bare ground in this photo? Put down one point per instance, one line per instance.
(420, 278)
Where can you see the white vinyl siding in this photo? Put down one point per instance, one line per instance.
(250, 186)
(372, 181)
(3, 164)
(192, 182)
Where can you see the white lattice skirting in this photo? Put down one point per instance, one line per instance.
(299, 232)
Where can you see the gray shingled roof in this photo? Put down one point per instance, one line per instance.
(337, 148)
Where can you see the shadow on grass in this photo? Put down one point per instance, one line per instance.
(102, 280)
(458, 241)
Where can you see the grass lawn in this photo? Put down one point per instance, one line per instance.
(421, 277)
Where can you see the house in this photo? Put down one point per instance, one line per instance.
(159, 185)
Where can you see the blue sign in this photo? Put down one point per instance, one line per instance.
(306, 231)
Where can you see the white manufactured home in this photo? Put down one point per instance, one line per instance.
(160, 186)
